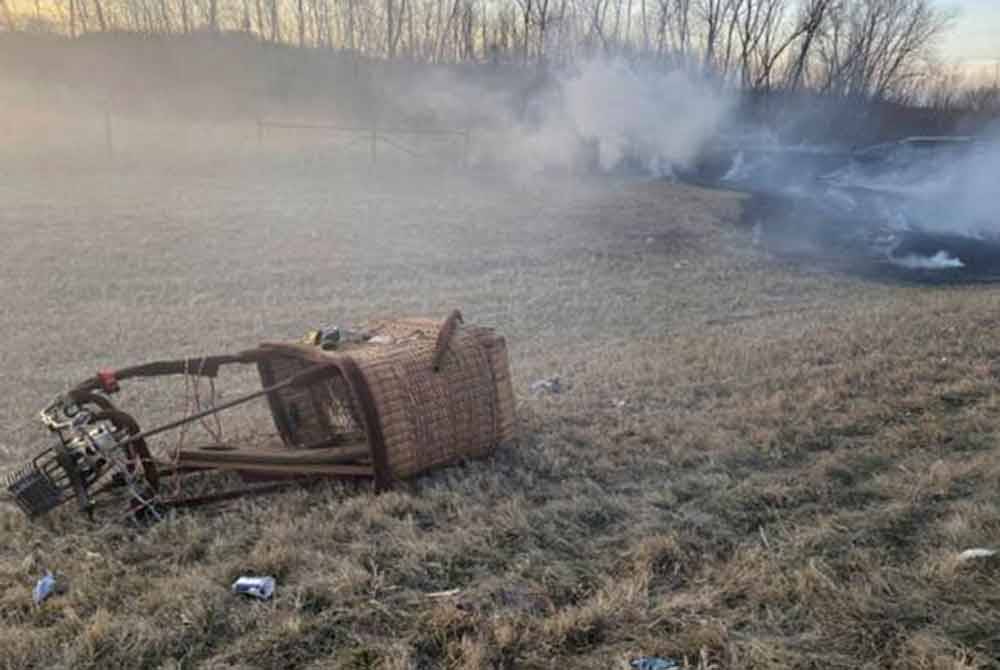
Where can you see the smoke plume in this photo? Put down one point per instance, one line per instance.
(942, 260)
(603, 115)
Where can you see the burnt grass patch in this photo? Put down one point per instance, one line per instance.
(804, 234)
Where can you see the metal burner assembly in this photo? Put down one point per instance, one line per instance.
(95, 448)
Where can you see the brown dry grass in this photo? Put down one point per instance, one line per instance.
(799, 459)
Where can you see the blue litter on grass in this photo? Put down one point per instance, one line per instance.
(654, 663)
(44, 587)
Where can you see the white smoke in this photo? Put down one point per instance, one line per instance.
(738, 170)
(604, 114)
(946, 190)
(972, 210)
(659, 119)
(939, 261)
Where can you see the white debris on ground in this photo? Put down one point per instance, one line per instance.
(261, 588)
(972, 554)
(551, 385)
(654, 663)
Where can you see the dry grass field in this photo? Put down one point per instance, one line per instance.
(753, 464)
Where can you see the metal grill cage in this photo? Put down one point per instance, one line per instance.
(41, 485)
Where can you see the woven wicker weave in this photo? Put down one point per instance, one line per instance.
(413, 417)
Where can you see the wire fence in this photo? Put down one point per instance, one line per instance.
(104, 136)
(375, 136)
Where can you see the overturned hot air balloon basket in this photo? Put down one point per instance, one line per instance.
(404, 397)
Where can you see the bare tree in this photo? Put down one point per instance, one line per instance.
(645, 26)
(102, 22)
(185, 16)
(596, 20)
(527, 8)
(769, 43)
(351, 44)
(8, 15)
(811, 21)
(712, 15)
(872, 48)
(300, 15)
(165, 18)
(984, 100)
(468, 39)
(680, 13)
(542, 10)
(275, 21)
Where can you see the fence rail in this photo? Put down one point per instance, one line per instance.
(377, 134)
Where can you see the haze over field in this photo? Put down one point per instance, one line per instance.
(774, 435)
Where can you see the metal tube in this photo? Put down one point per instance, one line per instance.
(302, 377)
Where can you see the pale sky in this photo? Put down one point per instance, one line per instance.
(975, 37)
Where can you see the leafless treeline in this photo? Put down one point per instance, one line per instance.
(869, 48)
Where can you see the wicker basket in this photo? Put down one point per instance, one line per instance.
(423, 395)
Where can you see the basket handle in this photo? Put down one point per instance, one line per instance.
(447, 331)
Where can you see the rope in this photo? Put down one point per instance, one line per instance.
(214, 431)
